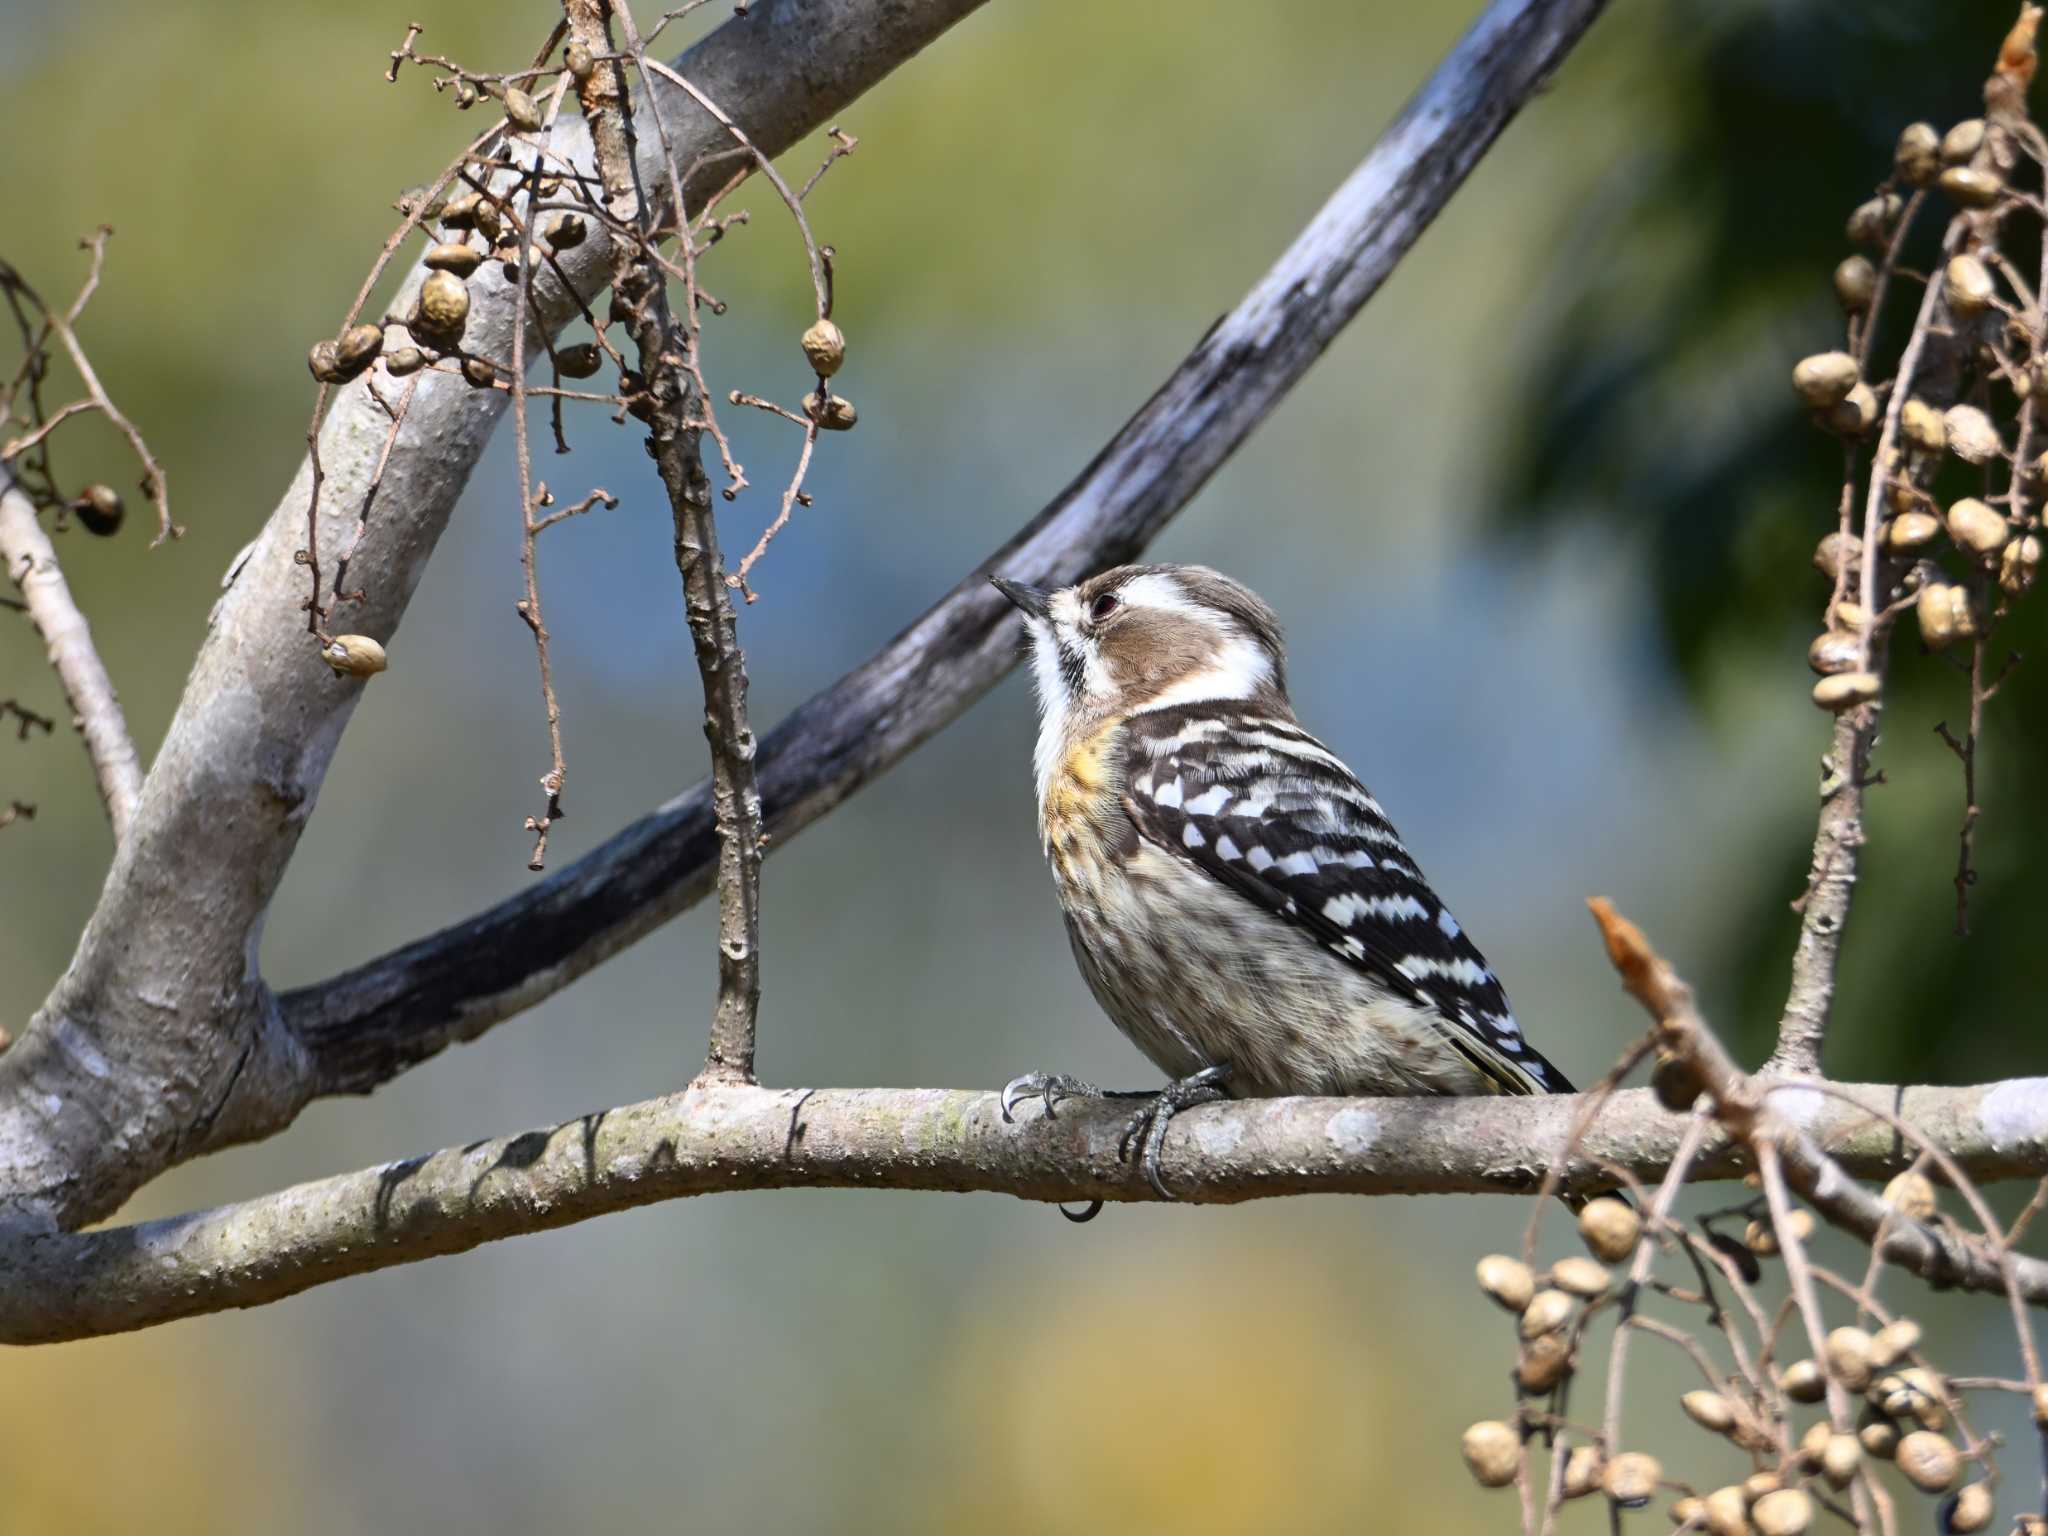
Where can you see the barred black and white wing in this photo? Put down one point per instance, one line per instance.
(1251, 800)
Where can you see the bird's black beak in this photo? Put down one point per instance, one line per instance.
(1034, 601)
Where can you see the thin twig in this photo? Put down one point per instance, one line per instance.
(32, 566)
(673, 438)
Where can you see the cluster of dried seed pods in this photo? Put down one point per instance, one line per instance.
(1909, 1413)
(1956, 562)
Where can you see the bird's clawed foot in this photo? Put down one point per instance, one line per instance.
(1147, 1128)
(1047, 1087)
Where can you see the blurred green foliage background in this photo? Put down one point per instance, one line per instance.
(1539, 525)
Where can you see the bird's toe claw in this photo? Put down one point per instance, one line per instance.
(1048, 1088)
(1147, 1128)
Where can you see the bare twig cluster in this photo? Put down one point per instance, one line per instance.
(30, 486)
(508, 208)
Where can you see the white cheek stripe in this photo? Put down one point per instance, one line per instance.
(1241, 671)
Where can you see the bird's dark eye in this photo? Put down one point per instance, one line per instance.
(1103, 607)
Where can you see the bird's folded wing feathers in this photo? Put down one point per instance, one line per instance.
(1256, 803)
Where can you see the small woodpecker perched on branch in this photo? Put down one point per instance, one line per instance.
(1237, 900)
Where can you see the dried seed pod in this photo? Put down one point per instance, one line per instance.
(1847, 615)
(354, 655)
(2018, 565)
(1878, 1435)
(1840, 1459)
(1788, 1512)
(1894, 1341)
(1581, 1472)
(1943, 612)
(1929, 1462)
(1918, 156)
(357, 347)
(1757, 1484)
(835, 414)
(1910, 530)
(1506, 1281)
(453, 256)
(466, 95)
(1610, 1228)
(490, 222)
(1825, 378)
(1837, 553)
(1855, 283)
(1631, 1479)
(1492, 1452)
(1871, 223)
(443, 310)
(1915, 1393)
(1761, 1237)
(1676, 1082)
(521, 110)
(1814, 1444)
(1709, 1410)
(1543, 1362)
(1547, 1312)
(1802, 1382)
(1848, 1357)
(1845, 691)
(1969, 187)
(1688, 1511)
(580, 63)
(1968, 1509)
(1580, 1277)
(1963, 141)
(1971, 435)
(2041, 1406)
(479, 371)
(579, 361)
(1833, 651)
(824, 348)
(1922, 426)
(1853, 415)
(1966, 285)
(565, 231)
(99, 510)
(324, 361)
(460, 212)
(1976, 527)
(404, 361)
(1726, 1512)
(1911, 1194)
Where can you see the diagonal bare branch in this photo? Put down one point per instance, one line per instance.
(371, 1023)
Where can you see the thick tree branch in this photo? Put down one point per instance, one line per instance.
(371, 1023)
(718, 1136)
(32, 567)
(161, 1039)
